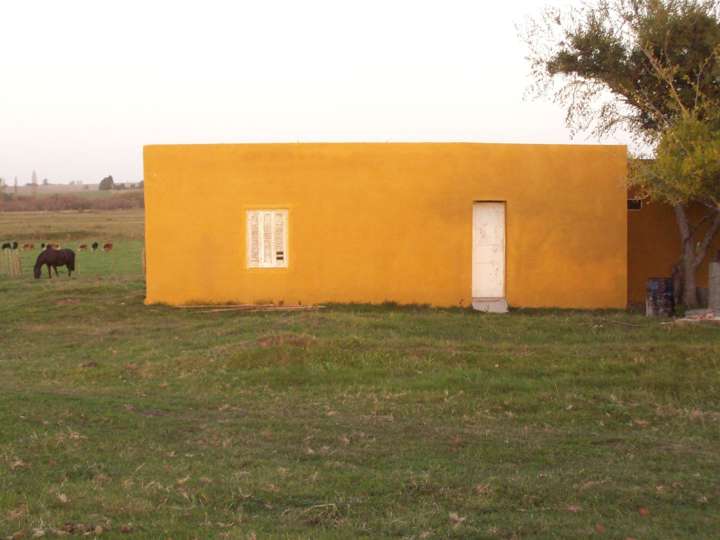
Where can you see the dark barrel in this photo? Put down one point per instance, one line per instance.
(659, 298)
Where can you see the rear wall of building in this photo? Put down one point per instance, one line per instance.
(654, 246)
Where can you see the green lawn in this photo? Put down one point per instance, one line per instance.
(120, 420)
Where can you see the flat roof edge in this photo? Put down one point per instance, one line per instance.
(381, 143)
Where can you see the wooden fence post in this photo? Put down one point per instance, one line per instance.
(10, 263)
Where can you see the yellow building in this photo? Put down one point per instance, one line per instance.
(439, 224)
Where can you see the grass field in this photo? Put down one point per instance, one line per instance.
(120, 420)
(122, 228)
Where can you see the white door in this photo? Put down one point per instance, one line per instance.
(488, 256)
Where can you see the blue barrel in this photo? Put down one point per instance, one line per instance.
(659, 297)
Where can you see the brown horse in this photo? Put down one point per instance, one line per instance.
(52, 258)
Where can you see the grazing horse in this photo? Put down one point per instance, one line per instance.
(52, 258)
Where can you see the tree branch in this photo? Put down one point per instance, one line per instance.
(696, 228)
(666, 74)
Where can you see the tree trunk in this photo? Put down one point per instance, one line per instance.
(691, 255)
(678, 283)
(690, 295)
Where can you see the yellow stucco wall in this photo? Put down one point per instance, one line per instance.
(386, 222)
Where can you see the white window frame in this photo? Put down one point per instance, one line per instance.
(264, 251)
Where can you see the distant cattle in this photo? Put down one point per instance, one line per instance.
(95, 246)
(14, 245)
(82, 247)
(7, 245)
(28, 247)
(108, 247)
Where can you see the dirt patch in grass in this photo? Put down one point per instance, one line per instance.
(291, 340)
(68, 302)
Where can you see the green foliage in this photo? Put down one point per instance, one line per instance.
(686, 165)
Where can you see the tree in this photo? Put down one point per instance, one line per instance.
(46, 182)
(652, 68)
(107, 184)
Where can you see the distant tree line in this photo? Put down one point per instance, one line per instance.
(108, 184)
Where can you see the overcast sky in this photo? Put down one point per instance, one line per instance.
(85, 84)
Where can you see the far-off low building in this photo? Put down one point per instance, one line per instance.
(441, 224)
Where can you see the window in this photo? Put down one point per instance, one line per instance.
(267, 238)
(634, 204)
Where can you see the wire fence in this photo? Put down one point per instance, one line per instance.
(10, 264)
